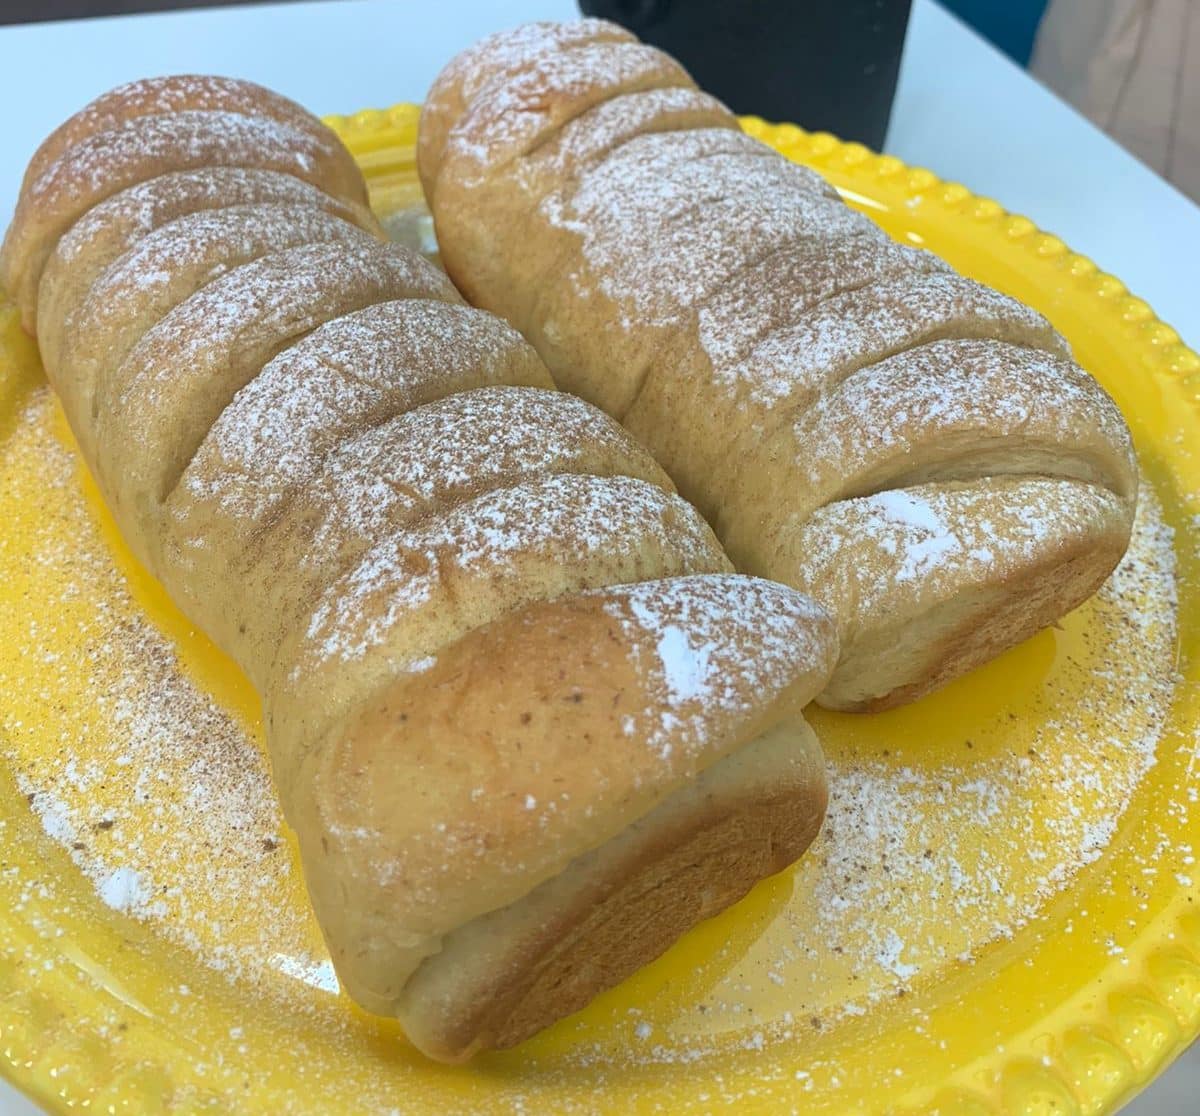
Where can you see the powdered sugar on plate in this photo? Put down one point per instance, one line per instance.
(942, 840)
(161, 796)
(945, 832)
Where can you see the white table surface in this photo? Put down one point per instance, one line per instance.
(962, 109)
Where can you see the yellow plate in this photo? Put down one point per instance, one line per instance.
(999, 918)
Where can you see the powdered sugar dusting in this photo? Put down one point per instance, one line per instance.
(927, 539)
(821, 347)
(178, 258)
(347, 376)
(719, 644)
(127, 216)
(450, 450)
(906, 510)
(275, 299)
(485, 67)
(684, 666)
(913, 874)
(686, 623)
(932, 541)
(515, 114)
(286, 287)
(590, 137)
(100, 164)
(125, 889)
(903, 828)
(888, 956)
(946, 832)
(164, 96)
(693, 206)
(579, 525)
(951, 410)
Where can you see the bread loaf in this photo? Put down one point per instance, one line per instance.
(855, 419)
(527, 725)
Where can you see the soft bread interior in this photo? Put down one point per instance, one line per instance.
(506, 975)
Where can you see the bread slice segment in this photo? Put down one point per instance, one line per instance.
(947, 411)
(139, 288)
(505, 975)
(417, 591)
(110, 229)
(931, 581)
(108, 162)
(542, 775)
(152, 412)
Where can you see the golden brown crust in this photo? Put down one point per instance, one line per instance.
(747, 325)
(189, 365)
(943, 412)
(166, 268)
(460, 81)
(436, 569)
(507, 770)
(104, 162)
(505, 975)
(114, 227)
(269, 455)
(498, 437)
(416, 591)
(936, 579)
(163, 96)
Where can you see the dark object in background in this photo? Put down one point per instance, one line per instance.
(40, 11)
(828, 65)
(1010, 25)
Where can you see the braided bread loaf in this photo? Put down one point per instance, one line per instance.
(527, 726)
(857, 420)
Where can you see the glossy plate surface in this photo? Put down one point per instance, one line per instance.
(999, 918)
